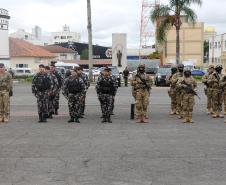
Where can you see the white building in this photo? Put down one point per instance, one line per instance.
(65, 36)
(35, 37)
(217, 49)
(4, 37)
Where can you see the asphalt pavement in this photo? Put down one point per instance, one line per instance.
(162, 152)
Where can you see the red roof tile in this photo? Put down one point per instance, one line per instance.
(57, 49)
(21, 48)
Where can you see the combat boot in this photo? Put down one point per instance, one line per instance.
(50, 116)
(109, 119)
(5, 119)
(1, 118)
(40, 118)
(190, 118)
(45, 116)
(77, 119)
(71, 120)
(186, 120)
(104, 119)
(56, 112)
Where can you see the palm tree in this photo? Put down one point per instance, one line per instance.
(89, 27)
(168, 16)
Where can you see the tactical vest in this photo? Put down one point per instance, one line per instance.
(74, 87)
(42, 82)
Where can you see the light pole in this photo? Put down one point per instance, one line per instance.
(89, 27)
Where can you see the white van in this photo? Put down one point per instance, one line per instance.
(66, 65)
(23, 72)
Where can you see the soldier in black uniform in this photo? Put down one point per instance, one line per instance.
(87, 83)
(41, 87)
(60, 83)
(106, 90)
(73, 90)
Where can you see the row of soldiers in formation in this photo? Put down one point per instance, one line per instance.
(47, 84)
(183, 89)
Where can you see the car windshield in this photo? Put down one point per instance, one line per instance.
(164, 70)
(151, 70)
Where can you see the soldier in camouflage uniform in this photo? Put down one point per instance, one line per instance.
(106, 89)
(85, 79)
(214, 82)
(60, 83)
(41, 88)
(172, 91)
(5, 93)
(179, 95)
(188, 87)
(142, 85)
(223, 87)
(113, 103)
(74, 89)
(208, 90)
(52, 92)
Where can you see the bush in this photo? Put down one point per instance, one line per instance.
(199, 78)
(29, 79)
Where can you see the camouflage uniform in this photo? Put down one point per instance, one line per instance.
(85, 79)
(5, 88)
(179, 95)
(142, 93)
(57, 94)
(208, 90)
(187, 84)
(172, 92)
(214, 82)
(52, 94)
(74, 89)
(113, 103)
(41, 87)
(223, 86)
(106, 89)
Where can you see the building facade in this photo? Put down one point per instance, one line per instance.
(4, 37)
(26, 55)
(65, 36)
(217, 50)
(191, 44)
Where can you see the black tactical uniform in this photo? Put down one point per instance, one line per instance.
(41, 86)
(73, 90)
(106, 89)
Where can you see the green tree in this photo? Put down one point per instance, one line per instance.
(170, 16)
(84, 54)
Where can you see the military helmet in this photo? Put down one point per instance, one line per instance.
(211, 67)
(141, 65)
(173, 69)
(180, 66)
(219, 66)
(187, 72)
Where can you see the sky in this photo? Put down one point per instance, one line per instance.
(108, 16)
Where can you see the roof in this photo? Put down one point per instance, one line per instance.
(86, 62)
(21, 48)
(57, 49)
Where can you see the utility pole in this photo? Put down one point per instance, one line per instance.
(89, 27)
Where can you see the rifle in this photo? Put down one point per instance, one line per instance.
(143, 81)
(189, 89)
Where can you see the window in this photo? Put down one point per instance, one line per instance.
(27, 71)
(63, 37)
(215, 45)
(210, 45)
(219, 44)
(69, 37)
(21, 65)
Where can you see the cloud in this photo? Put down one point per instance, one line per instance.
(108, 16)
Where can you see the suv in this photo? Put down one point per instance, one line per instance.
(161, 75)
(114, 72)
